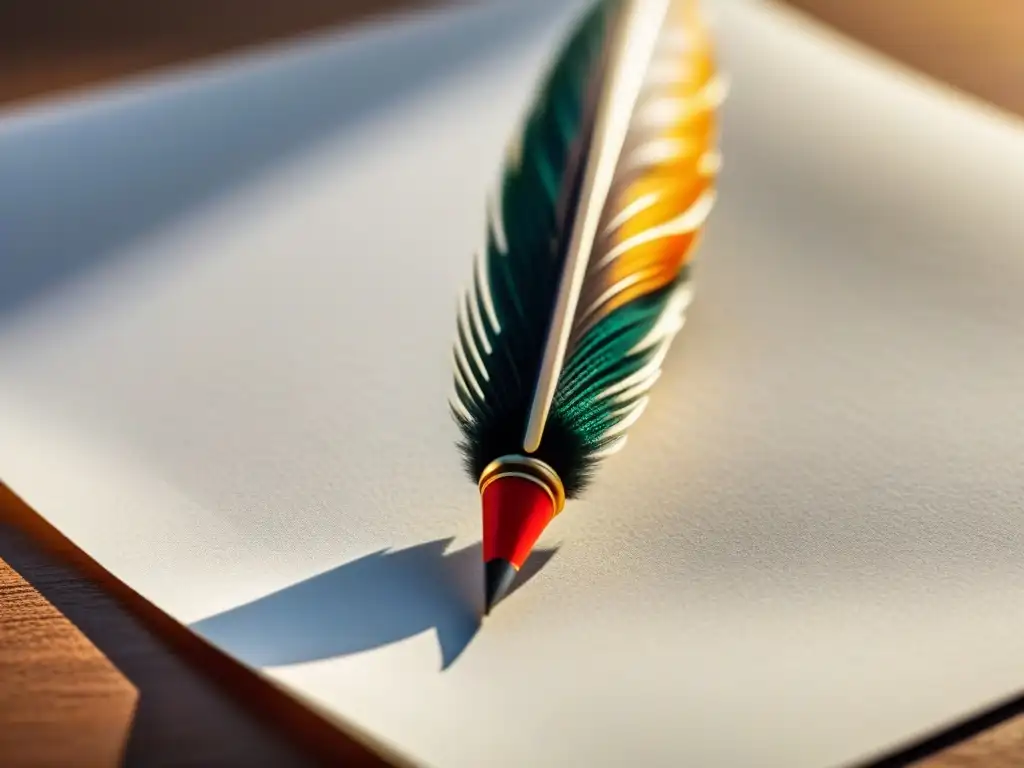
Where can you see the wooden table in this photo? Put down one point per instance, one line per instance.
(93, 675)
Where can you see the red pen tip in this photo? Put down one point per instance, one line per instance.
(516, 510)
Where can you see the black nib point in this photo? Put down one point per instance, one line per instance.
(498, 577)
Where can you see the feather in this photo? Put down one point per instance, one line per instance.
(584, 279)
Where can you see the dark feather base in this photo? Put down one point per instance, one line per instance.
(561, 449)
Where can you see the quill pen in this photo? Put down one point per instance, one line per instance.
(584, 279)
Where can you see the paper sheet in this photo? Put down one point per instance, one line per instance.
(226, 307)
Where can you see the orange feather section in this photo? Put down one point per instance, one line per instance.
(664, 183)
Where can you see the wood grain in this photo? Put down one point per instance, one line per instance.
(61, 701)
(197, 706)
(998, 747)
(977, 46)
(59, 46)
(181, 719)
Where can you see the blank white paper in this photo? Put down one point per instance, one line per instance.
(227, 302)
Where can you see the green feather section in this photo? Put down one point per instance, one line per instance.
(505, 317)
(605, 382)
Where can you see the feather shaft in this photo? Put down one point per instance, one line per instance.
(632, 56)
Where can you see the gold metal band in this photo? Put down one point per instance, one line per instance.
(526, 468)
